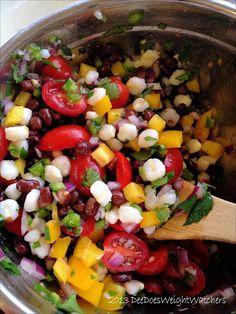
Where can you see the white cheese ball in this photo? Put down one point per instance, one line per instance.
(169, 198)
(112, 216)
(140, 105)
(129, 214)
(31, 201)
(91, 77)
(127, 132)
(149, 230)
(52, 174)
(22, 144)
(173, 79)
(38, 223)
(32, 236)
(182, 99)
(153, 169)
(148, 138)
(17, 133)
(41, 251)
(170, 116)
(98, 94)
(45, 54)
(132, 287)
(115, 144)
(136, 85)
(91, 115)
(9, 210)
(63, 164)
(12, 192)
(8, 170)
(101, 192)
(27, 114)
(107, 132)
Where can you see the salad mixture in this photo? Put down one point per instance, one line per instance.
(98, 149)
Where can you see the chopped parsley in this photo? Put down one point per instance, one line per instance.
(117, 30)
(71, 219)
(164, 180)
(15, 74)
(187, 175)
(188, 204)
(35, 245)
(90, 177)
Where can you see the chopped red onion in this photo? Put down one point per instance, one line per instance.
(116, 259)
(120, 122)
(178, 184)
(70, 187)
(113, 185)
(27, 57)
(24, 224)
(143, 125)
(5, 100)
(226, 292)
(23, 68)
(134, 120)
(94, 141)
(182, 256)
(199, 191)
(2, 255)
(165, 189)
(8, 107)
(33, 76)
(38, 152)
(32, 268)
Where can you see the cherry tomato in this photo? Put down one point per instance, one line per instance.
(173, 162)
(123, 98)
(55, 97)
(197, 252)
(6, 182)
(3, 144)
(156, 263)
(78, 170)
(70, 231)
(119, 226)
(15, 226)
(61, 69)
(124, 252)
(63, 137)
(151, 285)
(171, 271)
(88, 226)
(190, 285)
(123, 170)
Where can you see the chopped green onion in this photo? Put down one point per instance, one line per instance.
(70, 86)
(159, 182)
(37, 92)
(46, 233)
(90, 176)
(128, 65)
(37, 169)
(35, 245)
(150, 138)
(184, 77)
(9, 266)
(98, 62)
(55, 66)
(74, 97)
(100, 224)
(136, 207)
(117, 30)
(71, 219)
(55, 187)
(9, 88)
(108, 206)
(163, 214)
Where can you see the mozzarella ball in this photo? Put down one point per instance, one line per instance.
(148, 138)
(31, 201)
(149, 230)
(151, 198)
(132, 287)
(9, 210)
(41, 251)
(63, 164)
(52, 174)
(98, 94)
(101, 192)
(136, 85)
(91, 115)
(170, 116)
(27, 114)
(153, 169)
(45, 54)
(182, 99)
(112, 216)
(168, 198)
(8, 169)
(32, 236)
(12, 192)
(140, 105)
(107, 132)
(22, 144)
(115, 144)
(129, 214)
(127, 132)
(17, 133)
(173, 79)
(91, 77)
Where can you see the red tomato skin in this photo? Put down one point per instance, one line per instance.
(3, 144)
(15, 225)
(123, 98)
(64, 71)
(71, 233)
(78, 168)
(109, 250)
(66, 136)
(123, 170)
(151, 285)
(174, 162)
(156, 266)
(55, 97)
(5, 182)
(118, 226)
(88, 226)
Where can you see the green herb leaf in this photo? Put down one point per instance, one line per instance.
(108, 206)
(209, 123)
(71, 219)
(187, 175)
(98, 62)
(129, 65)
(9, 88)
(70, 86)
(136, 207)
(55, 187)
(169, 45)
(143, 155)
(136, 17)
(16, 77)
(35, 245)
(160, 150)
(147, 44)
(90, 177)
(184, 77)
(112, 91)
(185, 50)
(188, 204)
(104, 81)
(52, 297)
(150, 139)
(163, 214)
(160, 182)
(11, 267)
(162, 26)
(117, 30)
(147, 91)
(37, 92)
(35, 51)
(71, 305)
(100, 224)
(90, 93)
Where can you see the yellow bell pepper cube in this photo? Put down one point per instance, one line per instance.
(85, 68)
(112, 296)
(61, 270)
(193, 86)
(134, 193)
(103, 155)
(22, 99)
(14, 116)
(93, 294)
(154, 100)
(157, 123)
(81, 276)
(171, 139)
(118, 69)
(86, 251)
(134, 145)
(20, 164)
(114, 115)
(52, 231)
(149, 219)
(186, 121)
(213, 149)
(103, 106)
(201, 132)
(59, 248)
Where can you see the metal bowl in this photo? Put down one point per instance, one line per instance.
(211, 27)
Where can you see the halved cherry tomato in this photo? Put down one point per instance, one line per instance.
(61, 71)
(156, 263)
(171, 271)
(66, 136)
(124, 252)
(151, 285)
(6, 182)
(173, 162)
(189, 285)
(55, 97)
(15, 226)
(3, 144)
(123, 170)
(88, 226)
(123, 98)
(78, 170)
(119, 226)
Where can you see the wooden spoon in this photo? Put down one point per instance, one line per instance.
(218, 225)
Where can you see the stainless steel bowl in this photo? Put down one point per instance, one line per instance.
(211, 26)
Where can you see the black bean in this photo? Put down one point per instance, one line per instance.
(27, 86)
(91, 207)
(32, 104)
(25, 186)
(122, 277)
(36, 123)
(118, 198)
(46, 116)
(83, 148)
(45, 197)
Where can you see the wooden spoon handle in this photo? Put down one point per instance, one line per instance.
(218, 225)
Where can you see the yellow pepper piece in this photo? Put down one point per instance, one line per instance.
(201, 132)
(134, 193)
(86, 251)
(114, 115)
(93, 294)
(193, 86)
(186, 121)
(20, 164)
(61, 270)
(59, 248)
(154, 100)
(185, 191)
(118, 69)
(134, 145)
(103, 155)
(149, 219)
(52, 231)
(108, 300)
(213, 149)
(22, 99)
(14, 116)
(55, 213)
(103, 106)
(81, 276)
(84, 68)
(171, 138)
(157, 123)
